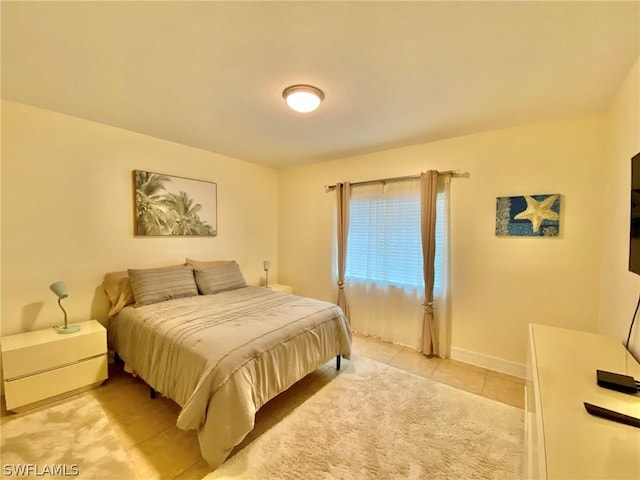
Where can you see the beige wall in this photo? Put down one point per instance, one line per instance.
(67, 212)
(499, 285)
(620, 288)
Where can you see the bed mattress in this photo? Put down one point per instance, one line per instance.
(222, 356)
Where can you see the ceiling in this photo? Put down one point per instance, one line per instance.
(211, 74)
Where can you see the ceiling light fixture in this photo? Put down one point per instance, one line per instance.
(303, 98)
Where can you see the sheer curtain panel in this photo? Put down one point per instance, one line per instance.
(384, 264)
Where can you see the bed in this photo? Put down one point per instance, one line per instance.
(220, 353)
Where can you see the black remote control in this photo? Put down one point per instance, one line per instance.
(611, 415)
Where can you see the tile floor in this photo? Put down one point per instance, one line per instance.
(159, 450)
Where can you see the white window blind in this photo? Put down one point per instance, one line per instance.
(384, 244)
(384, 234)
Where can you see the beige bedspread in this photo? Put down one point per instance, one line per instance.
(222, 356)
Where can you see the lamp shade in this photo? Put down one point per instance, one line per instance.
(266, 264)
(60, 289)
(303, 98)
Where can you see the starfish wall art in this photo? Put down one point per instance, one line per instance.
(528, 216)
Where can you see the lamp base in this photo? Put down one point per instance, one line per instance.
(68, 329)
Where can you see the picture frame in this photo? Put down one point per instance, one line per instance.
(528, 216)
(170, 206)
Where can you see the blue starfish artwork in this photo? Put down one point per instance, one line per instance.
(528, 216)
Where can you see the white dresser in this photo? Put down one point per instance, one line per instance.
(43, 364)
(563, 440)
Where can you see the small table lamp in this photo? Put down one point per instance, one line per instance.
(266, 264)
(60, 289)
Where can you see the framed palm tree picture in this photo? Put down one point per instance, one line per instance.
(166, 205)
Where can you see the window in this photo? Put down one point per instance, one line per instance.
(385, 244)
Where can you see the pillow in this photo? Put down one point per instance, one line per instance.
(111, 284)
(153, 285)
(208, 263)
(125, 297)
(219, 278)
(116, 286)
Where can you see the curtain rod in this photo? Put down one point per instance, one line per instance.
(451, 173)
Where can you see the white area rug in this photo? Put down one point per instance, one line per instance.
(377, 422)
(70, 440)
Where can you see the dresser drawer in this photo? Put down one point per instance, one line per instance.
(42, 350)
(34, 388)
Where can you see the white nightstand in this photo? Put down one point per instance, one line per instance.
(43, 365)
(277, 287)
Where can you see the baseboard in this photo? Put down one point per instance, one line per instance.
(492, 363)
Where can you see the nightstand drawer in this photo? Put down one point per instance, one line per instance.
(34, 388)
(33, 352)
